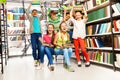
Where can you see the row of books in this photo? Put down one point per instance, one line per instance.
(98, 28)
(94, 42)
(103, 28)
(117, 41)
(93, 3)
(16, 38)
(99, 56)
(104, 41)
(15, 32)
(116, 8)
(98, 14)
(11, 16)
(18, 31)
(17, 24)
(16, 10)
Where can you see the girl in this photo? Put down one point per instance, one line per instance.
(79, 33)
(47, 46)
(60, 40)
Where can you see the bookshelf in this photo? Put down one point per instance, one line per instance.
(18, 28)
(3, 37)
(101, 31)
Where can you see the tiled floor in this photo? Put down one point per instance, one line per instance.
(23, 69)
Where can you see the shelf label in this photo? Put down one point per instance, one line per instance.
(2, 1)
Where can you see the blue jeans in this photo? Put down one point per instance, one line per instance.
(36, 44)
(67, 52)
(49, 52)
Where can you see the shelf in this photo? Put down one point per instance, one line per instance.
(99, 6)
(15, 20)
(101, 48)
(117, 50)
(101, 63)
(116, 33)
(16, 35)
(15, 13)
(103, 20)
(96, 35)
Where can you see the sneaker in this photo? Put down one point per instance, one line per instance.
(37, 67)
(65, 65)
(41, 65)
(79, 64)
(70, 69)
(87, 64)
(35, 63)
(51, 68)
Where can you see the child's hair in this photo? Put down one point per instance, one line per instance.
(61, 24)
(34, 10)
(49, 25)
(79, 11)
(52, 33)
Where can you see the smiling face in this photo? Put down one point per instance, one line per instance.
(78, 15)
(50, 29)
(63, 27)
(53, 14)
(34, 12)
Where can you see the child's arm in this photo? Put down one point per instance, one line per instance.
(42, 12)
(64, 18)
(27, 11)
(85, 17)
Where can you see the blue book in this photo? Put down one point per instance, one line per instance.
(118, 6)
(101, 28)
(100, 42)
(105, 28)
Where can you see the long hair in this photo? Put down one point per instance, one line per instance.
(52, 33)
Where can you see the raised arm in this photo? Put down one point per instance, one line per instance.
(27, 11)
(42, 12)
(85, 17)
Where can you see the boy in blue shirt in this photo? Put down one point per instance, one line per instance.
(35, 32)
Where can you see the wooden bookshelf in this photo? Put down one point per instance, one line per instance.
(99, 6)
(103, 20)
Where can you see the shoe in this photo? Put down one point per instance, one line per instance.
(37, 67)
(51, 68)
(35, 63)
(70, 69)
(87, 64)
(41, 65)
(65, 65)
(79, 64)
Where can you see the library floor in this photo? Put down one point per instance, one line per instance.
(23, 69)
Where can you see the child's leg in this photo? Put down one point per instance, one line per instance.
(48, 51)
(82, 45)
(76, 44)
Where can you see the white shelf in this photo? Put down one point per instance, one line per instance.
(15, 13)
(15, 20)
(101, 63)
(101, 48)
(103, 34)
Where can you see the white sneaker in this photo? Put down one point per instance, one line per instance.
(79, 64)
(41, 65)
(87, 64)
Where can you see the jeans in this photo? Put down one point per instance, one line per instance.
(67, 52)
(36, 44)
(49, 52)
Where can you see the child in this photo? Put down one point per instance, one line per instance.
(79, 34)
(47, 46)
(35, 31)
(60, 40)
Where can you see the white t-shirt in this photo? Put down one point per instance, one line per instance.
(79, 30)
